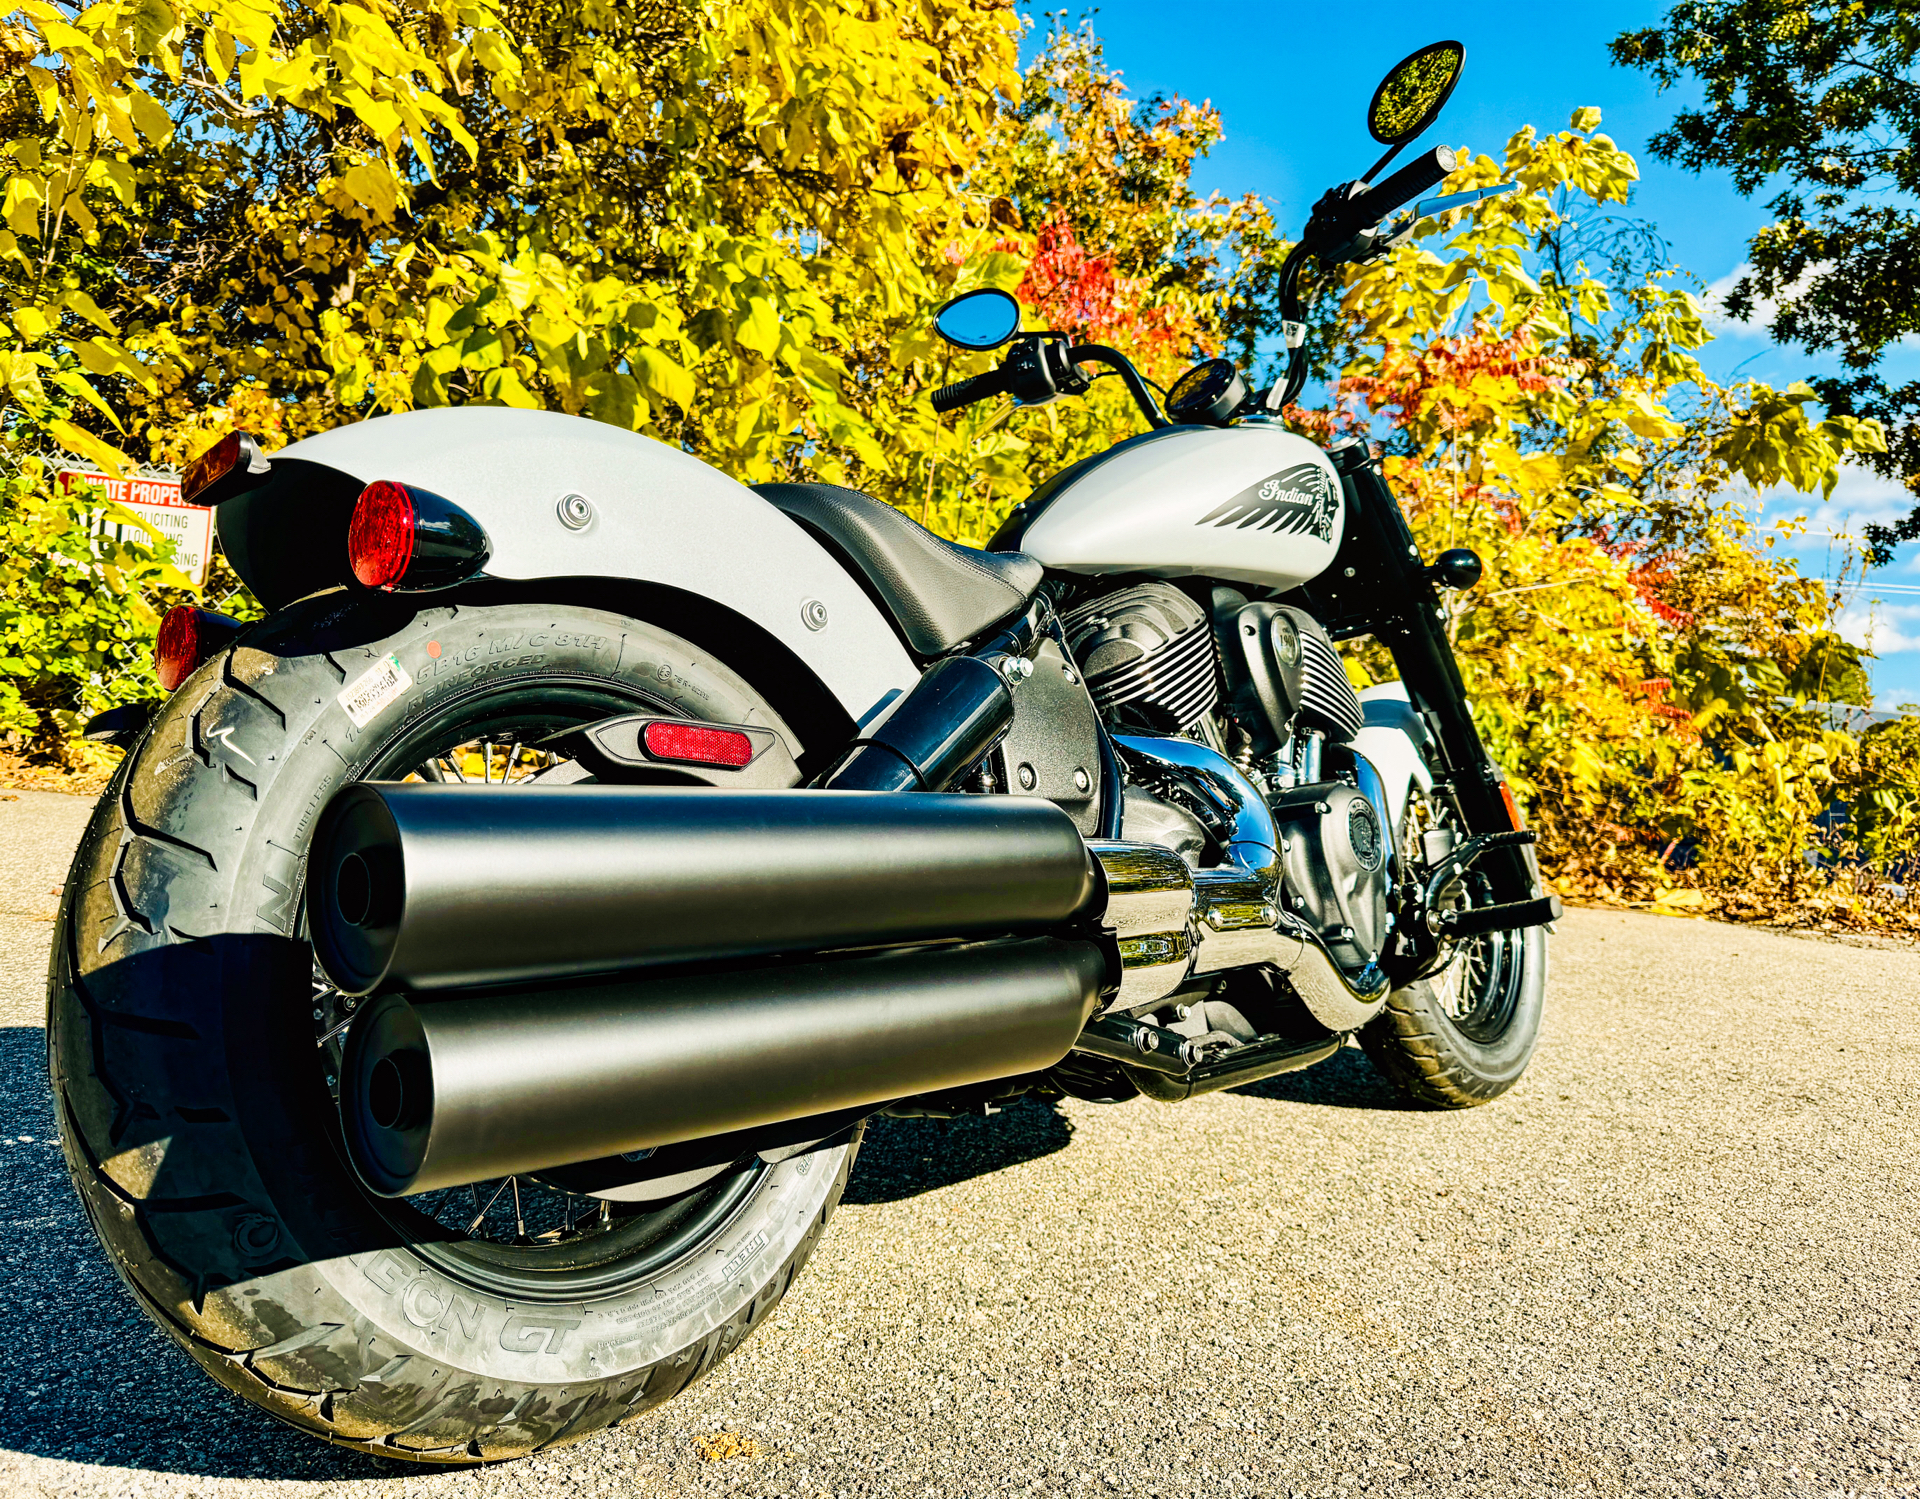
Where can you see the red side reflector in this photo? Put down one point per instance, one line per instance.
(696, 744)
(210, 468)
(380, 536)
(1513, 807)
(187, 637)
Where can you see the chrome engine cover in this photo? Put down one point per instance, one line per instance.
(1174, 922)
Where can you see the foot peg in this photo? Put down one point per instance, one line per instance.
(1510, 917)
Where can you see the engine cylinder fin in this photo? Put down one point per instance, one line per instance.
(1148, 655)
(1174, 664)
(1184, 699)
(1327, 698)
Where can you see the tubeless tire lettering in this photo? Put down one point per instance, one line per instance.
(387, 1271)
(425, 1301)
(281, 882)
(440, 1308)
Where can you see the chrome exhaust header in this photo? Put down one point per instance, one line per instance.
(1174, 923)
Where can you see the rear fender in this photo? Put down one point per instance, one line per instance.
(656, 517)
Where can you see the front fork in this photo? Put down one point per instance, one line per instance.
(1378, 586)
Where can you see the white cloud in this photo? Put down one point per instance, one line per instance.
(1721, 325)
(1884, 628)
(1860, 496)
(1713, 299)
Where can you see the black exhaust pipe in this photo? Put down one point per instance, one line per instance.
(465, 1088)
(436, 887)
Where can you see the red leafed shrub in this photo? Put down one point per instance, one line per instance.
(1073, 291)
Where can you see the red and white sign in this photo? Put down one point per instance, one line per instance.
(157, 502)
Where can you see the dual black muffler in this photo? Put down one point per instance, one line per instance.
(578, 972)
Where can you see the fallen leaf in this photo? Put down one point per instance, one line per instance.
(725, 1445)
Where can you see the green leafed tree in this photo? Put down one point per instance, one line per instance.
(1817, 102)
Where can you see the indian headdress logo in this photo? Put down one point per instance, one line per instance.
(1300, 500)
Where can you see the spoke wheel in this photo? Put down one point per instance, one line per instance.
(1464, 1034)
(523, 1235)
(194, 1060)
(1481, 983)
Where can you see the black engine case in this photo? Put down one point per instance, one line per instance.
(1334, 852)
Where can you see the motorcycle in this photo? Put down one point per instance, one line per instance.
(471, 991)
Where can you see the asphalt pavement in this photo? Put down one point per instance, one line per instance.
(1682, 1257)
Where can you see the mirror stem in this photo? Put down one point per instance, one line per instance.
(1375, 170)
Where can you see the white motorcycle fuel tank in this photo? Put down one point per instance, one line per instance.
(1249, 504)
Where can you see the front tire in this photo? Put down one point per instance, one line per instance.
(193, 1070)
(1466, 1035)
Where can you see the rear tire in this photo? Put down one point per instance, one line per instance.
(194, 1090)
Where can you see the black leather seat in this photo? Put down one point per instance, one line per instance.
(939, 594)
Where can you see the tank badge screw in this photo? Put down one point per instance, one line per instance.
(576, 511)
(813, 614)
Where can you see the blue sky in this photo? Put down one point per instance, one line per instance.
(1292, 84)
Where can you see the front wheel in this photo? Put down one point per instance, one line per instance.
(1464, 1035)
(195, 1058)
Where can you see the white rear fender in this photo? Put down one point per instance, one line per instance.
(653, 515)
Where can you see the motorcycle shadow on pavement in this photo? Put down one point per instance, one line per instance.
(88, 1378)
(902, 1158)
(1346, 1080)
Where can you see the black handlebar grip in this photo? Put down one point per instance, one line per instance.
(966, 392)
(1408, 183)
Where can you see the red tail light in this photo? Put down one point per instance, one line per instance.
(410, 540)
(696, 744)
(187, 637)
(380, 536)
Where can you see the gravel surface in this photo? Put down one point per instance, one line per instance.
(38, 830)
(1681, 1257)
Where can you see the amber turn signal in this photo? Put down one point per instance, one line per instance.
(230, 467)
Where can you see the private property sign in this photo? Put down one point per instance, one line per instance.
(158, 504)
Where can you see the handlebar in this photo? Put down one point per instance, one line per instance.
(1407, 184)
(966, 392)
(1114, 360)
(1041, 367)
(1345, 228)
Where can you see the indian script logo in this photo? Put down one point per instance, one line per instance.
(1299, 500)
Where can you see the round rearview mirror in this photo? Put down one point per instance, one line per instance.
(1412, 94)
(978, 319)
